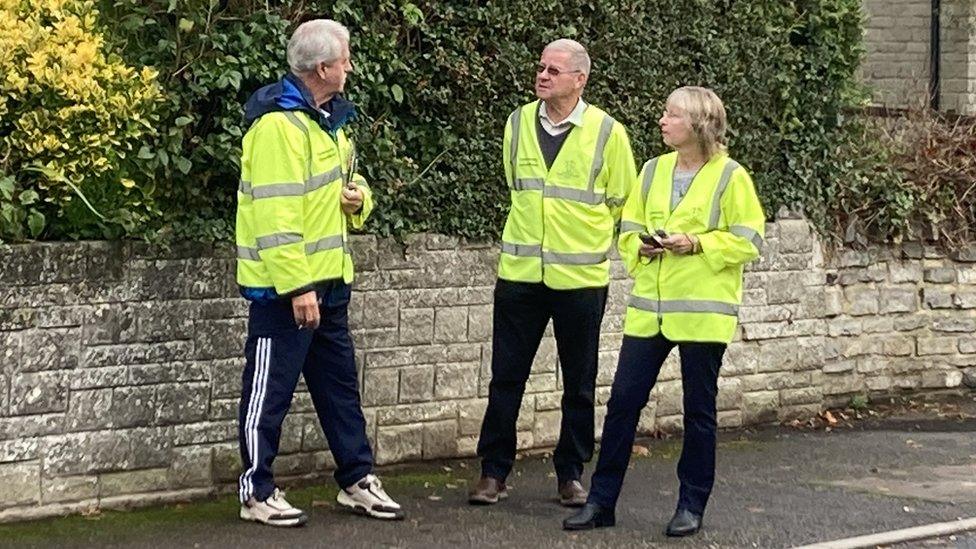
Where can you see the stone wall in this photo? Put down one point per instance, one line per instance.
(120, 364)
(897, 40)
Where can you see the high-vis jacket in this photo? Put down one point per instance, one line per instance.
(561, 222)
(692, 297)
(291, 230)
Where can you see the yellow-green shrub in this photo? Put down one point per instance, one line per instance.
(72, 118)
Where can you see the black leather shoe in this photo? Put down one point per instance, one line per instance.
(683, 523)
(589, 517)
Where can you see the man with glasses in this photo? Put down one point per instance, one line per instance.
(569, 168)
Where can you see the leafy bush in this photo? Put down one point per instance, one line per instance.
(435, 82)
(72, 117)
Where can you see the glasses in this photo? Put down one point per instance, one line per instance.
(552, 71)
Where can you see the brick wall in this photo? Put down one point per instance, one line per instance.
(120, 364)
(897, 36)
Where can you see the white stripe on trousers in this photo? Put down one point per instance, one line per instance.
(259, 386)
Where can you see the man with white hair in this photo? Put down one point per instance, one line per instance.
(569, 168)
(299, 194)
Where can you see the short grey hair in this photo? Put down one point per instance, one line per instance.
(577, 53)
(316, 41)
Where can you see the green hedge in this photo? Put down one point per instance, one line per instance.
(435, 82)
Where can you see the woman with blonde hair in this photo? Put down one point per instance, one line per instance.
(688, 228)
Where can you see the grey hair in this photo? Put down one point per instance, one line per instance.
(577, 53)
(316, 41)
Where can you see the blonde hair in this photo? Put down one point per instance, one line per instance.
(706, 115)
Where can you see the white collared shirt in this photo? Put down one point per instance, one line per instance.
(575, 118)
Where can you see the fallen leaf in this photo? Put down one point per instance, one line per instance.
(830, 418)
(434, 498)
(321, 503)
(450, 486)
(755, 509)
(641, 451)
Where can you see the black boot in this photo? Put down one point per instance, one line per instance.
(589, 517)
(683, 523)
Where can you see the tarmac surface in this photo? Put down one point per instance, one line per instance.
(776, 487)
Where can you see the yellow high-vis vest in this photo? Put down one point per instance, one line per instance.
(561, 222)
(291, 230)
(693, 297)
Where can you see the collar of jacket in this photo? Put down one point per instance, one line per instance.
(291, 94)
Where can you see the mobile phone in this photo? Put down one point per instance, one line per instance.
(651, 240)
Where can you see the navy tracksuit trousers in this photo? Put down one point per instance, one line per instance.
(277, 353)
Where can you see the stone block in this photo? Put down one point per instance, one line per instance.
(471, 413)
(904, 271)
(451, 324)
(133, 406)
(479, 323)
(89, 410)
(794, 236)
(140, 353)
(364, 252)
(51, 349)
(226, 377)
(740, 359)
(899, 346)
(838, 327)
(68, 489)
(218, 339)
(440, 439)
(84, 453)
(416, 326)
(191, 467)
(942, 275)
(227, 465)
(457, 380)
(417, 413)
(183, 403)
(396, 444)
(833, 301)
(967, 275)
(416, 384)
(759, 407)
(313, 439)
(151, 447)
(21, 483)
(133, 482)
(942, 379)
(729, 394)
(784, 288)
(381, 387)
(969, 377)
(778, 356)
(37, 393)
(899, 300)
(936, 345)
(801, 395)
(380, 309)
(861, 300)
(953, 324)
(842, 384)
(937, 299)
(546, 428)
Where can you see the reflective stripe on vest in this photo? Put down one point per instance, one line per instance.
(683, 306)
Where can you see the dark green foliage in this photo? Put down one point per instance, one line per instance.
(435, 82)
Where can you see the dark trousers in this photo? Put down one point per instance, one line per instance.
(522, 311)
(640, 363)
(277, 353)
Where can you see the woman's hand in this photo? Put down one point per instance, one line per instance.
(680, 243)
(646, 250)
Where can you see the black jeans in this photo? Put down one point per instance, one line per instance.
(640, 362)
(522, 311)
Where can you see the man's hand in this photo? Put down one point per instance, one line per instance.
(680, 243)
(352, 199)
(306, 310)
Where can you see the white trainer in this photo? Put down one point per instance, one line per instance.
(367, 497)
(275, 511)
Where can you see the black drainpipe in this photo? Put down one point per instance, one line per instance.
(935, 47)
